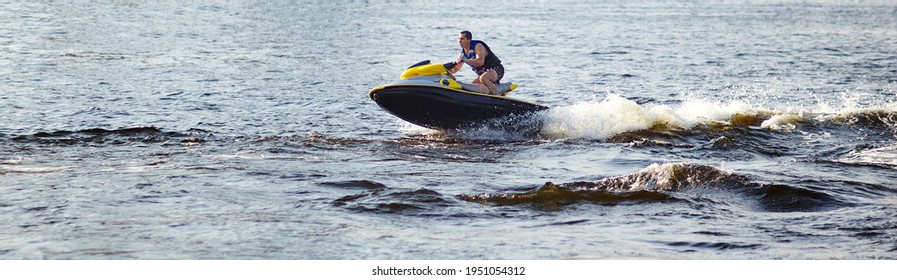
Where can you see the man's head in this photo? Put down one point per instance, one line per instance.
(464, 38)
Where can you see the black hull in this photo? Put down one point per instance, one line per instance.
(444, 109)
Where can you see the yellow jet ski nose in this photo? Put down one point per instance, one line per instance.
(424, 70)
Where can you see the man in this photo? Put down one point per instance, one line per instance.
(482, 60)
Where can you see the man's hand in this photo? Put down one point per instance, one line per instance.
(450, 66)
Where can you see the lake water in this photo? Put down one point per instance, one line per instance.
(677, 130)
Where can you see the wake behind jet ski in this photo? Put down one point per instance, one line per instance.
(427, 95)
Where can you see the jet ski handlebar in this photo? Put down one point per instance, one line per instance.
(449, 66)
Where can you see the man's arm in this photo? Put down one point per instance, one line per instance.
(481, 56)
(459, 63)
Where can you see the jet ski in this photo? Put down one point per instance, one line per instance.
(428, 95)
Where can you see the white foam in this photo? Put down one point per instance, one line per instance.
(615, 115)
(16, 161)
(596, 120)
(33, 170)
(879, 156)
(782, 122)
(410, 128)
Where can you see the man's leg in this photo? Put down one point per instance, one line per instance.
(480, 87)
(488, 79)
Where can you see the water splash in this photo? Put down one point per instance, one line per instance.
(783, 122)
(616, 115)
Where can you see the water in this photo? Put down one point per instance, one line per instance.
(711, 130)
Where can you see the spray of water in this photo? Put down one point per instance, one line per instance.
(763, 105)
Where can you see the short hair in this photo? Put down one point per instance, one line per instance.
(467, 34)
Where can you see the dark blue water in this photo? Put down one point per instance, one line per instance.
(712, 130)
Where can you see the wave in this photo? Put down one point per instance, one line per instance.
(669, 177)
(145, 134)
(356, 184)
(381, 199)
(552, 197)
(311, 140)
(390, 201)
(785, 198)
(656, 183)
(867, 117)
(665, 183)
(715, 245)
